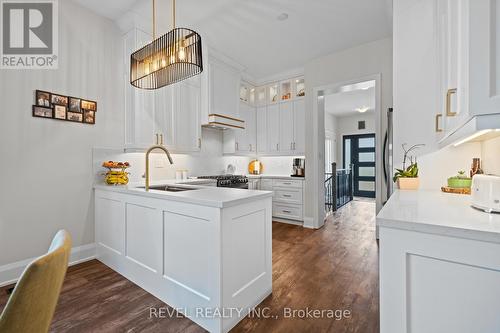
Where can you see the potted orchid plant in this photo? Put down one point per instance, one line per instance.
(407, 177)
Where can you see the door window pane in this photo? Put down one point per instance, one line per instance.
(366, 186)
(366, 157)
(347, 153)
(366, 142)
(366, 171)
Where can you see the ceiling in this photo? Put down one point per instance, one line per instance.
(249, 32)
(343, 104)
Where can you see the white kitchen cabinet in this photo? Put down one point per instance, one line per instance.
(299, 128)
(452, 47)
(165, 115)
(242, 141)
(224, 89)
(187, 117)
(273, 128)
(139, 104)
(286, 127)
(484, 56)
(446, 60)
(172, 112)
(439, 265)
(261, 129)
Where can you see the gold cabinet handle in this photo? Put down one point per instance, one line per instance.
(449, 93)
(438, 117)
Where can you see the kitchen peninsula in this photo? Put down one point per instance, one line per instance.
(202, 250)
(439, 264)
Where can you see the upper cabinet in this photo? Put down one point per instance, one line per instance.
(224, 89)
(170, 114)
(274, 118)
(446, 77)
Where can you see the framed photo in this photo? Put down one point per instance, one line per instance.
(43, 112)
(42, 98)
(60, 112)
(59, 100)
(89, 117)
(89, 105)
(74, 116)
(75, 104)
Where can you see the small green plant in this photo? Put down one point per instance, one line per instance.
(460, 175)
(412, 170)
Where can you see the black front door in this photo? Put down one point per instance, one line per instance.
(359, 151)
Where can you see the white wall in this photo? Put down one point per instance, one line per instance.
(342, 67)
(45, 170)
(491, 156)
(435, 168)
(348, 125)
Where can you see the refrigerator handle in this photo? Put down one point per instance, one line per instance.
(384, 156)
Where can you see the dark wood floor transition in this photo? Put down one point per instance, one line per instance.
(334, 268)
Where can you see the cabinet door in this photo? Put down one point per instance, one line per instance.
(164, 115)
(299, 119)
(224, 90)
(241, 135)
(286, 127)
(484, 53)
(187, 118)
(273, 128)
(262, 129)
(452, 16)
(139, 104)
(249, 143)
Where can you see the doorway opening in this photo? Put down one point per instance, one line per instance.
(350, 141)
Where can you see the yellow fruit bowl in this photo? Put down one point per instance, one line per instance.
(116, 177)
(116, 174)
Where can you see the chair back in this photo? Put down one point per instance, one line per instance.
(31, 305)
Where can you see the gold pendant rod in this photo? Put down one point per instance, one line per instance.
(173, 14)
(154, 19)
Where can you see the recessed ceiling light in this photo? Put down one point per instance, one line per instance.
(282, 17)
(362, 109)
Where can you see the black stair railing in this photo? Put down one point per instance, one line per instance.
(338, 188)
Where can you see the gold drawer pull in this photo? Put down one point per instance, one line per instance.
(287, 195)
(450, 92)
(438, 116)
(287, 212)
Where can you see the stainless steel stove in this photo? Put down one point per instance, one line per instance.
(234, 181)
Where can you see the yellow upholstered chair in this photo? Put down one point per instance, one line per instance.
(31, 305)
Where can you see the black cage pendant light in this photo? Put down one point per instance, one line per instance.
(168, 59)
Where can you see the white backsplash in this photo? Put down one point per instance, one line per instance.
(277, 165)
(209, 161)
(491, 156)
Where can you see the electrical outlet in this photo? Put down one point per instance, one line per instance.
(159, 163)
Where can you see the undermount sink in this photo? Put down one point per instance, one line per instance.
(170, 188)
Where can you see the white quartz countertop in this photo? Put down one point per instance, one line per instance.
(211, 196)
(436, 212)
(264, 176)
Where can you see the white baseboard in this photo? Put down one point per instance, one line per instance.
(309, 223)
(287, 221)
(10, 273)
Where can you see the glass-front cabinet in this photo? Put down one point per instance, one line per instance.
(286, 90)
(273, 93)
(299, 87)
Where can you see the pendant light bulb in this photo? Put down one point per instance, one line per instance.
(182, 54)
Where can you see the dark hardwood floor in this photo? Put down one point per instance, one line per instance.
(334, 268)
